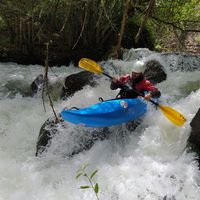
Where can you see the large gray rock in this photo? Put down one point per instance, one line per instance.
(76, 82)
(70, 141)
(155, 72)
(194, 139)
(72, 83)
(37, 84)
(64, 140)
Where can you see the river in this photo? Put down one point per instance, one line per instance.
(153, 165)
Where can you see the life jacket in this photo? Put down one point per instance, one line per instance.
(140, 85)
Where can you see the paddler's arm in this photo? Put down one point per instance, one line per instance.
(120, 82)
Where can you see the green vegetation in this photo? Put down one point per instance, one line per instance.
(77, 28)
(174, 21)
(94, 187)
(197, 39)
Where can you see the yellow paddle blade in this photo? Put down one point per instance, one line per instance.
(174, 116)
(90, 65)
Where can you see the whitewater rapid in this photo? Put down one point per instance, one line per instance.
(153, 165)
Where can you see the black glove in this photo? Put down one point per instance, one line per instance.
(114, 86)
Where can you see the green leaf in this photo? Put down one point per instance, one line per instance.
(85, 166)
(96, 188)
(85, 187)
(80, 170)
(93, 174)
(78, 175)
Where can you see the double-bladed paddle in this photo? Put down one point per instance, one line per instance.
(174, 116)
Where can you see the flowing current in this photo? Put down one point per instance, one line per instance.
(152, 165)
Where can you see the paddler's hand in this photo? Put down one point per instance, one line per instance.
(115, 80)
(147, 96)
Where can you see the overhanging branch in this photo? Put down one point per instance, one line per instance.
(175, 26)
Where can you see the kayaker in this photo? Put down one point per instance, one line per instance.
(137, 83)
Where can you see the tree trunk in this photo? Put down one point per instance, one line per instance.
(148, 11)
(122, 28)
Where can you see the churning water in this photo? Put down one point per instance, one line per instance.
(152, 165)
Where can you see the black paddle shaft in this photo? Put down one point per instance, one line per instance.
(107, 75)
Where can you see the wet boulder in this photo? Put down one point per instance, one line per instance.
(72, 84)
(194, 139)
(76, 82)
(48, 130)
(65, 139)
(155, 72)
(37, 84)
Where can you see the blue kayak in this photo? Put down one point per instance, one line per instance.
(107, 113)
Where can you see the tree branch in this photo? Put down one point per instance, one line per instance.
(174, 25)
(47, 83)
(148, 11)
(122, 28)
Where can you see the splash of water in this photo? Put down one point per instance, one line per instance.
(152, 165)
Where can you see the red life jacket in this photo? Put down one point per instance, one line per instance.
(141, 86)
